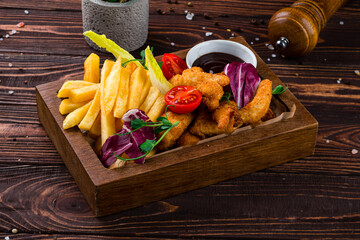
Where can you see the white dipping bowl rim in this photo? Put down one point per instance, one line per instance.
(222, 46)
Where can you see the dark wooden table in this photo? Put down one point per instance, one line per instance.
(315, 197)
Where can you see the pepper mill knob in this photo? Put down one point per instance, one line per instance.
(282, 43)
(295, 30)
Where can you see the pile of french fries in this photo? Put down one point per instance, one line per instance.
(97, 103)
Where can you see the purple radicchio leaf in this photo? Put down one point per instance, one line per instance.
(115, 144)
(244, 81)
(138, 137)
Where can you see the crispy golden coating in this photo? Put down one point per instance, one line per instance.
(204, 126)
(173, 135)
(188, 139)
(210, 85)
(258, 107)
(227, 115)
(269, 115)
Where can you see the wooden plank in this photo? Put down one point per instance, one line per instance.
(261, 204)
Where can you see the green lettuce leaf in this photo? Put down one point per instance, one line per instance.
(110, 46)
(157, 77)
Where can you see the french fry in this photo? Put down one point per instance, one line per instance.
(111, 86)
(67, 106)
(137, 83)
(121, 105)
(75, 117)
(150, 99)
(145, 91)
(91, 68)
(106, 69)
(157, 109)
(107, 120)
(92, 113)
(83, 94)
(95, 130)
(72, 84)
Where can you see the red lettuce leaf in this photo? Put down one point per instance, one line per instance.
(115, 144)
(139, 136)
(244, 81)
(126, 141)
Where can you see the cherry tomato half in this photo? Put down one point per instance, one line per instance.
(184, 98)
(172, 65)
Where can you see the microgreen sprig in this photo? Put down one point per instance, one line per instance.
(142, 60)
(279, 89)
(163, 124)
(226, 97)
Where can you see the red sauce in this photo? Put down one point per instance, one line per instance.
(215, 62)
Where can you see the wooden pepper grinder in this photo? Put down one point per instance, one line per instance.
(294, 30)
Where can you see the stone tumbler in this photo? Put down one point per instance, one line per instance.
(124, 23)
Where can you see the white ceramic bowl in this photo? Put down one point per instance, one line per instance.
(222, 46)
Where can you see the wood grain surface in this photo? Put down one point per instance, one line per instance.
(314, 197)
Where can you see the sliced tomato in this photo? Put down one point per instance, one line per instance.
(183, 99)
(172, 65)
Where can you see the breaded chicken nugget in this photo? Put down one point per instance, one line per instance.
(259, 106)
(227, 115)
(188, 139)
(210, 85)
(173, 135)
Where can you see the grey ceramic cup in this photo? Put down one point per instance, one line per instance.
(124, 23)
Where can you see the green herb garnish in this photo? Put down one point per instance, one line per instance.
(162, 124)
(226, 97)
(142, 60)
(279, 89)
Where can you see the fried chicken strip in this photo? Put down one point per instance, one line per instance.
(227, 115)
(204, 126)
(210, 85)
(188, 139)
(259, 106)
(173, 135)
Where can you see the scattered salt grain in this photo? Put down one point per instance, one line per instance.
(251, 43)
(1, 39)
(269, 59)
(266, 44)
(172, 44)
(327, 141)
(271, 47)
(186, 11)
(11, 92)
(12, 32)
(339, 80)
(203, 28)
(257, 39)
(7, 238)
(207, 34)
(354, 151)
(7, 36)
(232, 34)
(341, 22)
(20, 24)
(190, 15)
(273, 55)
(26, 12)
(10, 64)
(357, 72)
(211, 71)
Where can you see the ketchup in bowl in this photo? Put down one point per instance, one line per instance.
(215, 62)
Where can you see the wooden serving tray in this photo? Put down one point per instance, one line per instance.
(182, 169)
